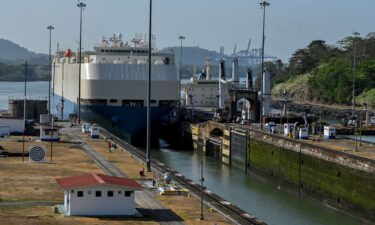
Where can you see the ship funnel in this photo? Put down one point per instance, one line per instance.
(222, 69)
(266, 93)
(249, 79)
(235, 71)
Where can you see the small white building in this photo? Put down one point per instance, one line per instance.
(372, 120)
(15, 125)
(329, 132)
(99, 195)
(49, 133)
(303, 133)
(94, 131)
(4, 131)
(288, 129)
(85, 128)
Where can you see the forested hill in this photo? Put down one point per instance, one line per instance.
(12, 59)
(13, 53)
(324, 73)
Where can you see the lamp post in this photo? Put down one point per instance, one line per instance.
(148, 150)
(192, 106)
(202, 180)
(356, 34)
(24, 115)
(263, 4)
(82, 6)
(366, 113)
(50, 28)
(181, 37)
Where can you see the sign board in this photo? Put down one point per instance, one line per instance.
(37, 153)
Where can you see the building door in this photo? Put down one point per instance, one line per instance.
(68, 203)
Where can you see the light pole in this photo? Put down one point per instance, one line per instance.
(192, 106)
(24, 115)
(82, 6)
(263, 4)
(181, 37)
(148, 160)
(366, 113)
(50, 28)
(202, 180)
(354, 70)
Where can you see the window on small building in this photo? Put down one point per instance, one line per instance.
(113, 100)
(98, 194)
(72, 191)
(79, 193)
(119, 192)
(110, 193)
(127, 193)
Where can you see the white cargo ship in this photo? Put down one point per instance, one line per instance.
(114, 85)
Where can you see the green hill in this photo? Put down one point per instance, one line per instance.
(324, 73)
(13, 53)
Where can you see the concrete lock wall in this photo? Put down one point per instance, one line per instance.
(343, 183)
(339, 179)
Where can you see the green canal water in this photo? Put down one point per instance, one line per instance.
(263, 199)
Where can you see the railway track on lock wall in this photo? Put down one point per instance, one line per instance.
(233, 212)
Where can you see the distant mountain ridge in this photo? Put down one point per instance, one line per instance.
(11, 52)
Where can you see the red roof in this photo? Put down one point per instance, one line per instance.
(97, 180)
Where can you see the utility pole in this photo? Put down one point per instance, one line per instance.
(148, 160)
(263, 4)
(62, 90)
(50, 28)
(356, 34)
(82, 6)
(202, 180)
(24, 115)
(285, 95)
(181, 37)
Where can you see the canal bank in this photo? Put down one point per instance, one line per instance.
(340, 179)
(345, 183)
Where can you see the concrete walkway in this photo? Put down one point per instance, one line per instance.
(144, 199)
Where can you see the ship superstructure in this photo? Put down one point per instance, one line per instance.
(113, 84)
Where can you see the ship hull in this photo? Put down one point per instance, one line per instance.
(129, 123)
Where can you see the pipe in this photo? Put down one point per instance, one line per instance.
(249, 79)
(222, 69)
(266, 93)
(235, 71)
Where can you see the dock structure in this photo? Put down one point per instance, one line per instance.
(34, 108)
(345, 172)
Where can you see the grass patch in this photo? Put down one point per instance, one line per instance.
(297, 87)
(366, 97)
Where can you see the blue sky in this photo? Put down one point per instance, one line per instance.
(290, 25)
